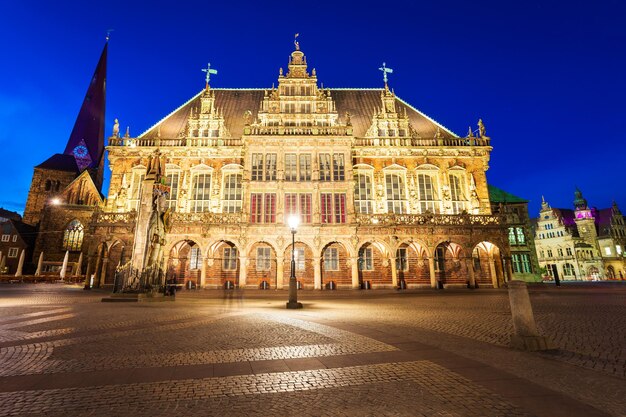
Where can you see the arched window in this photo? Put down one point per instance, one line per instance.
(73, 236)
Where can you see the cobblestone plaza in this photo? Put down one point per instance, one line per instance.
(420, 353)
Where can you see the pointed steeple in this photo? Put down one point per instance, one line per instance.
(86, 142)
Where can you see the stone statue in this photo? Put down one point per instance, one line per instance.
(481, 128)
(247, 117)
(156, 229)
(116, 129)
(470, 134)
(156, 166)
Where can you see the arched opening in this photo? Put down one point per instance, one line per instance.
(373, 265)
(412, 265)
(184, 264)
(222, 265)
(334, 272)
(303, 256)
(593, 273)
(449, 268)
(610, 272)
(487, 265)
(261, 269)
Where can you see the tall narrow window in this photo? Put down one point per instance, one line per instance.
(135, 189)
(338, 167)
(291, 205)
(200, 191)
(257, 167)
(512, 240)
(73, 236)
(269, 211)
(325, 167)
(232, 194)
(229, 260)
(363, 194)
(396, 202)
(326, 207)
(366, 261)
(526, 268)
(291, 167)
(172, 180)
(521, 239)
(195, 258)
(456, 194)
(298, 255)
(270, 167)
(331, 259)
(340, 208)
(256, 207)
(305, 208)
(263, 259)
(305, 167)
(426, 193)
(402, 262)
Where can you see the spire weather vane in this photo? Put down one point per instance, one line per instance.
(385, 71)
(208, 71)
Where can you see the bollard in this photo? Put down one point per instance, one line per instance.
(526, 336)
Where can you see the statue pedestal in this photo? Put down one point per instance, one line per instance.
(526, 336)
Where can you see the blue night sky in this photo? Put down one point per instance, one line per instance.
(547, 78)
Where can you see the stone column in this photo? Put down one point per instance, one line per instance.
(203, 273)
(88, 273)
(509, 269)
(470, 272)
(526, 336)
(431, 268)
(492, 270)
(394, 272)
(243, 269)
(317, 273)
(355, 272)
(280, 272)
(103, 273)
(97, 270)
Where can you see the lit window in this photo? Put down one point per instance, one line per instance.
(456, 194)
(517, 264)
(331, 259)
(200, 191)
(618, 249)
(325, 167)
(363, 194)
(512, 240)
(172, 180)
(607, 251)
(521, 239)
(396, 202)
(13, 252)
(568, 270)
(14, 238)
(526, 263)
(426, 193)
(365, 259)
(195, 258)
(230, 259)
(5, 238)
(232, 194)
(305, 167)
(263, 259)
(338, 167)
(270, 167)
(291, 167)
(257, 167)
(73, 236)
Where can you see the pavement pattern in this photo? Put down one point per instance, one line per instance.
(357, 353)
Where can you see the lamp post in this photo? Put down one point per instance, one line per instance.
(293, 303)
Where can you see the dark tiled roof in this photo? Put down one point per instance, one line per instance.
(60, 162)
(360, 103)
(7, 214)
(497, 195)
(27, 233)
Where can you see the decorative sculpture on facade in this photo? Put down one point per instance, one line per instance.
(481, 129)
(116, 129)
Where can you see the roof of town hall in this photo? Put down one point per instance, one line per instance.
(361, 103)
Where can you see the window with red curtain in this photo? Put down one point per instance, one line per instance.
(256, 207)
(305, 208)
(340, 208)
(326, 206)
(270, 208)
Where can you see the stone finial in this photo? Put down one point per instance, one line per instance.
(127, 134)
(470, 134)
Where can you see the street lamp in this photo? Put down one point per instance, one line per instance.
(293, 221)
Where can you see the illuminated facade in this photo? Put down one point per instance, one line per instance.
(581, 244)
(386, 196)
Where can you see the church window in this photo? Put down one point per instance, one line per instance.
(305, 167)
(331, 259)
(426, 193)
(135, 188)
(402, 261)
(13, 252)
(270, 167)
(172, 180)
(200, 192)
(291, 167)
(257, 167)
(366, 259)
(263, 259)
(338, 167)
(232, 194)
(73, 236)
(363, 194)
(325, 167)
(229, 261)
(456, 194)
(195, 258)
(396, 199)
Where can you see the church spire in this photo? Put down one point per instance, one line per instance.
(86, 142)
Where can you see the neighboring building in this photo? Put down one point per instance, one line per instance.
(581, 244)
(8, 215)
(15, 238)
(385, 195)
(515, 211)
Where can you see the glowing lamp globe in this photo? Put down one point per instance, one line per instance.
(293, 222)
